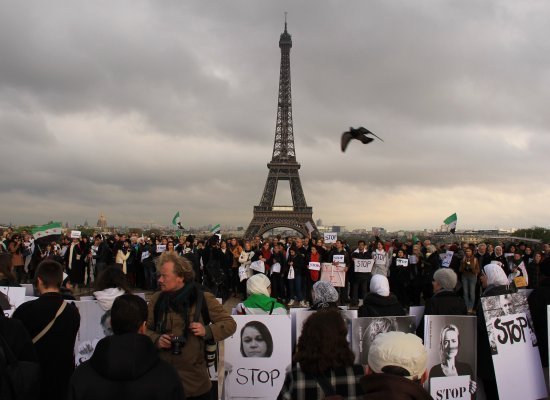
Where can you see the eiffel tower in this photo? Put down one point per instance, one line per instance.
(283, 165)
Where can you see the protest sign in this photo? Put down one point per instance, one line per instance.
(258, 266)
(144, 255)
(276, 268)
(339, 258)
(256, 356)
(451, 343)
(330, 237)
(447, 259)
(364, 330)
(513, 342)
(161, 248)
(363, 265)
(402, 262)
(314, 266)
(76, 234)
(15, 296)
(333, 274)
(413, 259)
(309, 227)
(95, 324)
(451, 387)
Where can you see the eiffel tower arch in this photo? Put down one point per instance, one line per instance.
(283, 165)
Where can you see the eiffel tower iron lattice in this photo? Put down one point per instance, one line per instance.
(283, 165)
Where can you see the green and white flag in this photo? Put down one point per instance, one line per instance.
(450, 221)
(216, 229)
(47, 230)
(176, 218)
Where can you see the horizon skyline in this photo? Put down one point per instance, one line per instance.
(141, 108)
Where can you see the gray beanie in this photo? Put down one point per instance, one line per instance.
(324, 292)
(446, 278)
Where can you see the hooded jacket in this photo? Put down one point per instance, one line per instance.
(386, 386)
(125, 367)
(375, 305)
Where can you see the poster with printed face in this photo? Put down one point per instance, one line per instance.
(13, 298)
(451, 343)
(95, 324)
(256, 356)
(513, 343)
(365, 330)
(417, 312)
(303, 315)
(448, 257)
(333, 274)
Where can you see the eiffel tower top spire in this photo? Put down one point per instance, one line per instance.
(283, 147)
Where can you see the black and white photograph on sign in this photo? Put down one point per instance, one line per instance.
(451, 343)
(514, 345)
(11, 298)
(364, 330)
(256, 356)
(503, 305)
(95, 324)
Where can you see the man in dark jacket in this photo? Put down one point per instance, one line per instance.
(126, 365)
(444, 301)
(54, 344)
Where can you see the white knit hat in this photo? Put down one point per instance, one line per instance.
(398, 349)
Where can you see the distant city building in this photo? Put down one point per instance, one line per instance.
(101, 222)
(377, 231)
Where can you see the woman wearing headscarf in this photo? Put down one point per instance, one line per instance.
(495, 283)
(259, 300)
(379, 302)
(324, 296)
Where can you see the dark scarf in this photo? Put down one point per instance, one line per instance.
(179, 302)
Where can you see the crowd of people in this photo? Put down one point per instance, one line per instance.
(267, 275)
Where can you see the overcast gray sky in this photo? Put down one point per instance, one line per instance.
(142, 108)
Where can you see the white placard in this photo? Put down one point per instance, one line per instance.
(76, 234)
(363, 266)
(448, 258)
(276, 268)
(509, 255)
(144, 255)
(309, 227)
(330, 237)
(257, 355)
(402, 262)
(16, 297)
(338, 258)
(314, 266)
(451, 339)
(413, 259)
(161, 248)
(258, 266)
(512, 342)
(451, 387)
(95, 324)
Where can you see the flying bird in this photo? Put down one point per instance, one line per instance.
(359, 134)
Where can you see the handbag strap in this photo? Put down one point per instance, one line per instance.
(47, 327)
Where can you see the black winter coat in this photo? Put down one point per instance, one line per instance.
(375, 305)
(125, 367)
(442, 303)
(539, 299)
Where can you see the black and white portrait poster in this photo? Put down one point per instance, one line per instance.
(364, 330)
(256, 357)
(514, 345)
(304, 314)
(451, 343)
(95, 324)
(13, 298)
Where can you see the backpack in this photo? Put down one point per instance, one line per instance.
(19, 380)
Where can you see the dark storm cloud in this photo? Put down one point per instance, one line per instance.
(140, 108)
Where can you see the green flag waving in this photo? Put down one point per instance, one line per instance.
(450, 221)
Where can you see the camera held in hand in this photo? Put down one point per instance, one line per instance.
(177, 343)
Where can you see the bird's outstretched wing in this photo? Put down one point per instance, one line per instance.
(346, 137)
